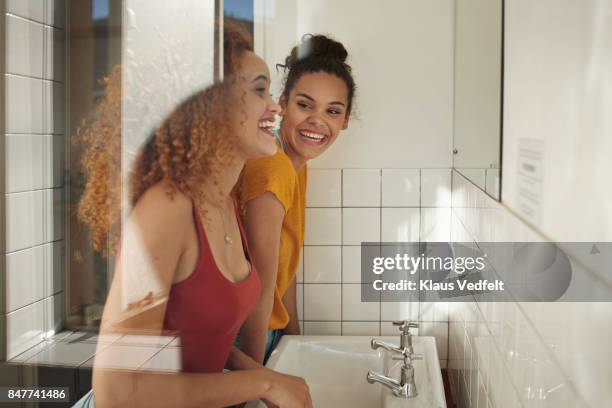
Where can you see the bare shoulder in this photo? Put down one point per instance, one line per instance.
(159, 208)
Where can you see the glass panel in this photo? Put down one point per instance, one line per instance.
(95, 48)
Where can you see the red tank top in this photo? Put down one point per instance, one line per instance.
(207, 309)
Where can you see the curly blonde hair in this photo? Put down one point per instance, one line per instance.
(190, 145)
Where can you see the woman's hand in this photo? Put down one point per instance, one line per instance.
(286, 391)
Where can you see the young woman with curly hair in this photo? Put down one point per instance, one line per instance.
(316, 105)
(182, 260)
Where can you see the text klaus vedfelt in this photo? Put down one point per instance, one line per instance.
(412, 264)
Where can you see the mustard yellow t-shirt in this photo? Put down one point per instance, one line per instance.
(277, 175)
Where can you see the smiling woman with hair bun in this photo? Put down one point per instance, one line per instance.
(315, 105)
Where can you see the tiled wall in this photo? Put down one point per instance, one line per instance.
(348, 206)
(33, 77)
(525, 354)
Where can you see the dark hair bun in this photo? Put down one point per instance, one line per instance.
(319, 47)
(318, 53)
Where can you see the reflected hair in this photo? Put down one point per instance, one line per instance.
(190, 145)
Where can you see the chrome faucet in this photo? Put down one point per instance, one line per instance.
(405, 387)
(405, 339)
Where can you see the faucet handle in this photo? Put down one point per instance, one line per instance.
(405, 325)
(412, 357)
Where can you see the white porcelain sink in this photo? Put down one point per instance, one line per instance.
(335, 369)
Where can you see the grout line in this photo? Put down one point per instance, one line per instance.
(33, 134)
(8, 194)
(28, 19)
(380, 236)
(23, 76)
(341, 242)
(44, 165)
(420, 213)
(20, 308)
(34, 246)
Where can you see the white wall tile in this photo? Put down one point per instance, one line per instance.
(400, 311)
(54, 214)
(299, 289)
(34, 162)
(476, 176)
(24, 328)
(322, 302)
(323, 226)
(32, 9)
(24, 270)
(65, 354)
(54, 314)
(24, 162)
(53, 171)
(31, 352)
(55, 54)
(322, 328)
(439, 330)
(387, 328)
(435, 188)
(400, 224)
(401, 188)
(299, 275)
(24, 220)
(56, 14)
(492, 182)
(434, 311)
(145, 340)
(509, 396)
(24, 47)
(351, 264)
(168, 360)
(322, 264)
(123, 356)
(435, 224)
(354, 309)
(360, 328)
(86, 337)
(24, 113)
(54, 107)
(324, 188)
(360, 225)
(361, 188)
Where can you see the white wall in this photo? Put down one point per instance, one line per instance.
(33, 137)
(402, 56)
(558, 99)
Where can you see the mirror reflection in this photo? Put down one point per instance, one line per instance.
(478, 92)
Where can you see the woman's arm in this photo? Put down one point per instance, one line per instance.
(263, 222)
(290, 302)
(238, 360)
(154, 240)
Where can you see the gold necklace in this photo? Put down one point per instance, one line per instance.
(226, 237)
